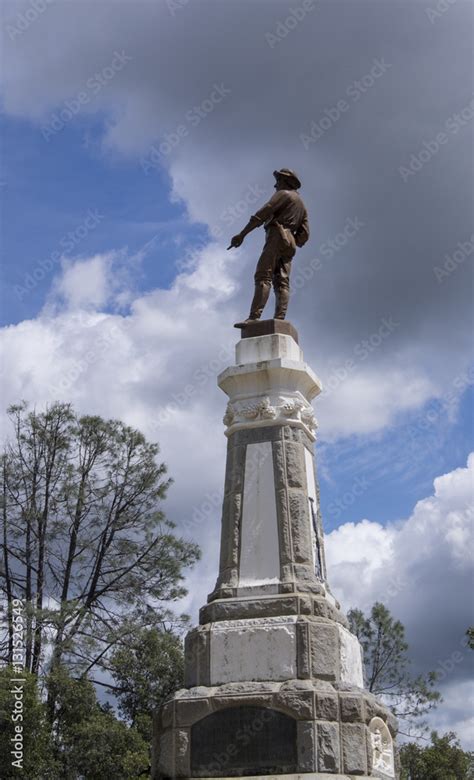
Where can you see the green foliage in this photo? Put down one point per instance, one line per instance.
(442, 760)
(30, 723)
(387, 665)
(102, 746)
(146, 671)
(87, 740)
(470, 637)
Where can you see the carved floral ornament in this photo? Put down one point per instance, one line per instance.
(382, 748)
(241, 412)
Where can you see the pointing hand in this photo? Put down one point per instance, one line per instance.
(236, 241)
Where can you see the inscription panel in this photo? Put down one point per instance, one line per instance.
(242, 741)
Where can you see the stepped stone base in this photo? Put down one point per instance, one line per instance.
(311, 727)
(273, 648)
(273, 676)
(302, 776)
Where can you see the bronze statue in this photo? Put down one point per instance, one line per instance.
(286, 225)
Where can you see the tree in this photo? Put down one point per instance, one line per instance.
(24, 719)
(146, 671)
(86, 548)
(470, 637)
(387, 664)
(442, 760)
(87, 740)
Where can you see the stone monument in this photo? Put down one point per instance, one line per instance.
(273, 677)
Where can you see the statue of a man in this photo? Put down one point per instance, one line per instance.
(286, 226)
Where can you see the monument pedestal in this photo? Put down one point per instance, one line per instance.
(273, 676)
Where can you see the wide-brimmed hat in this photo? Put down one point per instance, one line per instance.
(286, 173)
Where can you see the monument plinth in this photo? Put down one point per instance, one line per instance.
(273, 676)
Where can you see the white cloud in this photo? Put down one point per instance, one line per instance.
(94, 283)
(421, 568)
(366, 559)
(85, 284)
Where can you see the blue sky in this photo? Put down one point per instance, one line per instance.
(54, 185)
(149, 274)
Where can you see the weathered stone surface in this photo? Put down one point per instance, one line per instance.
(230, 542)
(295, 466)
(279, 464)
(188, 712)
(351, 709)
(320, 608)
(173, 758)
(227, 583)
(300, 527)
(240, 609)
(303, 648)
(284, 529)
(326, 706)
(197, 692)
(305, 605)
(182, 752)
(247, 699)
(258, 649)
(234, 475)
(165, 758)
(254, 435)
(351, 658)
(354, 748)
(324, 651)
(287, 587)
(298, 704)
(328, 747)
(196, 654)
(240, 688)
(297, 435)
(297, 685)
(392, 723)
(306, 736)
(167, 715)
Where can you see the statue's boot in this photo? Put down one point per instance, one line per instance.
(244, 323)
(262, 291)
(260, 297)
(282, 296)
